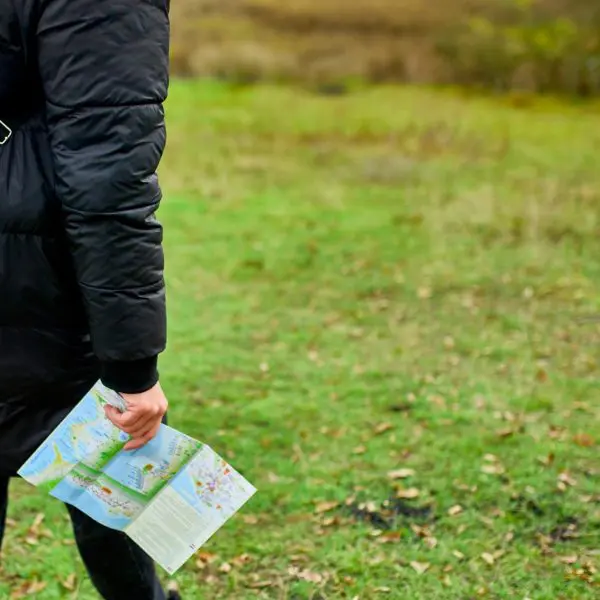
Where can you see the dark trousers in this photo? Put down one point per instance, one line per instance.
(118, 568)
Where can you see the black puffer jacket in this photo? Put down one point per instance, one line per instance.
(81, 267)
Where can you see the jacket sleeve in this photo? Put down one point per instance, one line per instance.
(104, 71)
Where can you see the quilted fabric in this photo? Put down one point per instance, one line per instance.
(82, 85)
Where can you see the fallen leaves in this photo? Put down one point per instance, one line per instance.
(546, 460)
(564, 481)
(567, 479)
(323, 507)
(408, 494)
(420, 567)
(506, 432)
(28, 588)
(455, 510)
(204, 559)
(70, 582)
(382, 428)
(401, 474)
(307, 575)
(425, 533)
(250, 519)
(584, 440)
(389, 538)
(586, 572)
(260, 584)
(494, 469)
(430, 542)
(34, 532)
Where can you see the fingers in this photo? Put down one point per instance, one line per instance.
(113, 415)
(142, 427)
(134, 422)
(138, 442)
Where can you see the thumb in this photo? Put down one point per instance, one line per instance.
(112, 413)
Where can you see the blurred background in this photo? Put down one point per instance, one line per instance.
(535, 45)
(382, 230)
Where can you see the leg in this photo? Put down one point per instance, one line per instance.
(3, 505)
(118, 568)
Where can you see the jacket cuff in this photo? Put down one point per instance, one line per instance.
(130, 377)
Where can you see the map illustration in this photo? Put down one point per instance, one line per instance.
(169, 496)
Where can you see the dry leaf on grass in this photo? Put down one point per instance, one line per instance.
(260, 585)
(455, 510)
(546, 460)
(37, 522)
(584, 440)
(567, 479)
(242, 559)
(225, 568)
(488, 558)
(70, 582)
(568, 560)
(323, 507)
(389, 538)
(420, 567)
(250, 519)
(306, 575)
(203, 559)
(401, 473)
(505, 433)
(408, 494)
(382, 428)
(458, 554)
(359, 450)
(28, 588)
(494, 469)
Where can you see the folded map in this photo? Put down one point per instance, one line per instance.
(170, 496)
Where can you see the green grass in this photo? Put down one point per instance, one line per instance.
(395, 279)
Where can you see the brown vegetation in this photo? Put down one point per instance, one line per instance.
(543, 45)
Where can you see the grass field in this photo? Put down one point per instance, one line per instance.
(385, 310)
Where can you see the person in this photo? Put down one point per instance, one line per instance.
(82, 295)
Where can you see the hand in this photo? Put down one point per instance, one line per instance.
(142, 418)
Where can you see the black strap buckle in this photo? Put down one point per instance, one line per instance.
(5, 133)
